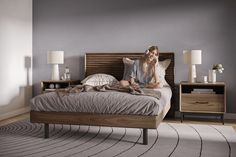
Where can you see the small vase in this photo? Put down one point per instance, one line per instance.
(212, 76)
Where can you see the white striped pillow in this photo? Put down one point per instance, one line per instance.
(99, 80)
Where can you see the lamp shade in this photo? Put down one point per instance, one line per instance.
(55, 57)
(192, 56)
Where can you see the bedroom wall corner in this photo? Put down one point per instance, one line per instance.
(15, 57)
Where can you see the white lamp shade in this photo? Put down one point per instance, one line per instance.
(55, 57)
(192, 56)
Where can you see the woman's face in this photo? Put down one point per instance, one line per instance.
(152, 55)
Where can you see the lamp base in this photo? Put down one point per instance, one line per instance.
(192, 75)
(55, 72)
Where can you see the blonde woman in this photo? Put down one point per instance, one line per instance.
(144, 72)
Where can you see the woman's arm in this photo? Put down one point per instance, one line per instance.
(156, 83)
(156, 77)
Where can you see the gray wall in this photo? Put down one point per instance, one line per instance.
(79, 26)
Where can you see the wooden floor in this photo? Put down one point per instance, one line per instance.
(187, 120)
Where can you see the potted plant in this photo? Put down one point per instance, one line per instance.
(212, 73)
(218, 67)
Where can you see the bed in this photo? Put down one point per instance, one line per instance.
(109, 63)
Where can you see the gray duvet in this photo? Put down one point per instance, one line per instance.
(109, 102)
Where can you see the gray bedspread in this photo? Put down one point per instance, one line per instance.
(132, 89)
(107, 102)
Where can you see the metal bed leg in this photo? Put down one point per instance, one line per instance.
(145, 136)
(46, 130)
(222, 119)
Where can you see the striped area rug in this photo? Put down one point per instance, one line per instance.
(170, 139)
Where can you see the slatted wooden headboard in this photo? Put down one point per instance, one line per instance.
(111, 63)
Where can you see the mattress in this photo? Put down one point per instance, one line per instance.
(111, 102)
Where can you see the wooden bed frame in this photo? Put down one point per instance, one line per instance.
(109, 63)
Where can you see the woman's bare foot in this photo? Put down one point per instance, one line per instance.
(124, 83)
(153, 85)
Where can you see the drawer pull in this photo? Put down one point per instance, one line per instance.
(201, 102)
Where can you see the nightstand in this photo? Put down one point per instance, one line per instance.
(203, 98)
(50, 86)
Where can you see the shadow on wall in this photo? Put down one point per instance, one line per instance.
(27, 67)
(17, 105)
(76, 66)
(20, 103)
(28, 87)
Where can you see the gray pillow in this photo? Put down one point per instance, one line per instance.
(128, 68)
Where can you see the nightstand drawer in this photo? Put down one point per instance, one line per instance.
(202, 102)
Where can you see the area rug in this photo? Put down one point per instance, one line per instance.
(170, 139)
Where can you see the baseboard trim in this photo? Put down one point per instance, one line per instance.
(230, 116)
(14, 113)
(226, 116)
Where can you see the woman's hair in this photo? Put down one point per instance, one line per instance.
(151, 69)
(152, 48)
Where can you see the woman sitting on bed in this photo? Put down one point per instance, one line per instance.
(144, 71)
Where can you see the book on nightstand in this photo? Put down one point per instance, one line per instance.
(200, 91)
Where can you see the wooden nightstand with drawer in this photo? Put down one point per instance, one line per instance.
(207, 98)
(51, 86)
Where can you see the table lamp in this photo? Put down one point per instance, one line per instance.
(55, 58)
(192, 57)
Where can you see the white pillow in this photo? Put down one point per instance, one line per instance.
(161, 70)
(99, 80)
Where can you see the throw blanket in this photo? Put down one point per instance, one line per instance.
(135, 90)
